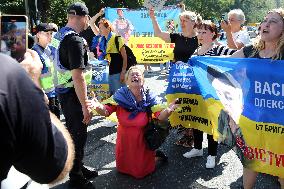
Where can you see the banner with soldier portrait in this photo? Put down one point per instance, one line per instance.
(238, 100)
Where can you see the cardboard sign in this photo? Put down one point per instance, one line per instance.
(155, 4)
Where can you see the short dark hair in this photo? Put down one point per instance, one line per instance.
(208, 25)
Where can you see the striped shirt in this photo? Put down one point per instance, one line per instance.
(218, 50)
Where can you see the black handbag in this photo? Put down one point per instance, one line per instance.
(156, 131)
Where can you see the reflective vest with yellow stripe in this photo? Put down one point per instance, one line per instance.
(46, 77)
(63, 76)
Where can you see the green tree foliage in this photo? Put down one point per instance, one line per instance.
(132, 4)
(56, 13)
(254, 10)
(55, 10)
(12, 7)
(210, 9)
(213, 9)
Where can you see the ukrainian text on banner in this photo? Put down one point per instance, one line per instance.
(192, 111)
(245, 100)
(135, 26)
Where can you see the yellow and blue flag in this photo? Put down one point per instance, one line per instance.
(238, 100)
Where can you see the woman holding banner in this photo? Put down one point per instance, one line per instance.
(269, 44)
(114, 53)
(130, 104)
(207, 33)
(185, 44)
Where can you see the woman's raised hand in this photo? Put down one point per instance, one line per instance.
(151, 13)
(102, 11)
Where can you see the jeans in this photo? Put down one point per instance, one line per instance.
(114, 83)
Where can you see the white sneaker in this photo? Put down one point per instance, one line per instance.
(210, 164)
(193, 153)
(109, 123)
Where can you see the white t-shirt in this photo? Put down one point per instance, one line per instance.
(241, 36)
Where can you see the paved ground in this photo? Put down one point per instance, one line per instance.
(178, 173)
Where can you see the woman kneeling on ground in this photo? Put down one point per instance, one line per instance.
(130, 104)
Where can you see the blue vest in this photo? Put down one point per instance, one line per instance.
(55, 45)
(63, 77)
(47, 73)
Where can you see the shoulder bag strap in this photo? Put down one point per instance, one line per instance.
(116, 43)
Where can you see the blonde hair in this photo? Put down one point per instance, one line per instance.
(134, 68)
(189, 15)
(192, 16)
(239, 13)
(259, 45)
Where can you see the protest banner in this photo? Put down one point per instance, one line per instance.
(155, 4)
(137, 29)
(243, 101)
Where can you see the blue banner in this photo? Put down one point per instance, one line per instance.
(136, 27)
(141, 22)
(238, 100)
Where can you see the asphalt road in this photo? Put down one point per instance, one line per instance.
(178, 173)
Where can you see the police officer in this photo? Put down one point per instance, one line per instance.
(43, 38)
(72, 77)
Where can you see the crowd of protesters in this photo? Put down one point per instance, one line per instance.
(61, 85)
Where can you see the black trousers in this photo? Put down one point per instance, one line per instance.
(212, 144)
(54, 106)
(72, 111)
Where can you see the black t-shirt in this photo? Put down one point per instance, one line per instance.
(88, 35)
(28, 140)
(73, 52)
(116, 63)
(251, 52)
(184, 46)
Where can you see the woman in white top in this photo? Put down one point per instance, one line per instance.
(237, 36)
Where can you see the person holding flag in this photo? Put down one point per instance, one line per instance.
(207, 33)
(185, 44)
(269, 44)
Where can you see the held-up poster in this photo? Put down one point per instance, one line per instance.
(135, 26)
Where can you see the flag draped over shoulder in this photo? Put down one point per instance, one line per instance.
(240, 101)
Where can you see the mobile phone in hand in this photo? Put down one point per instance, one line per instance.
(14, 36)
(224, 17)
